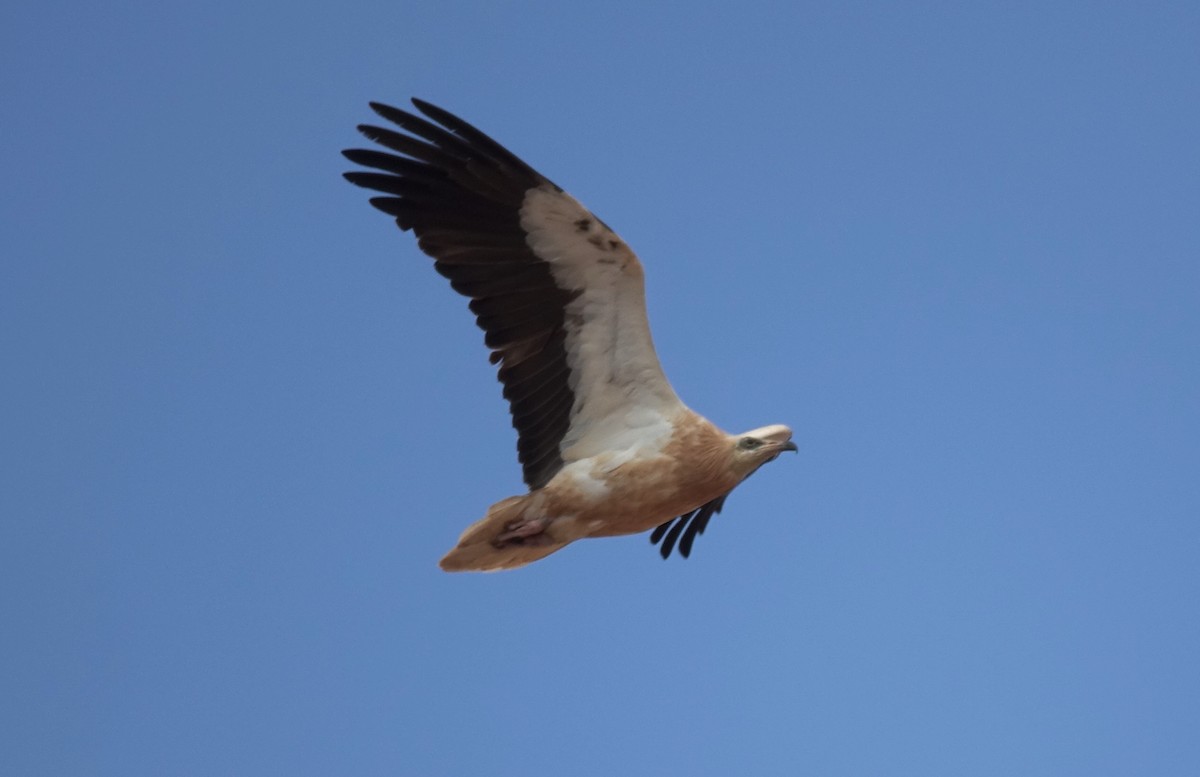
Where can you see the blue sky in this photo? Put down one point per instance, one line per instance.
(954, 246)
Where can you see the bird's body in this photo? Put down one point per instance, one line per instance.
(668, 473)
(606, 445)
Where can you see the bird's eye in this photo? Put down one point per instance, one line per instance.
(749, 443)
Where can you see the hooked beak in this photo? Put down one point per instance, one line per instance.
(789, 446)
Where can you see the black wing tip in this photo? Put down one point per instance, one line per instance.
(368, 179)
(664, 549)
(656, 536)
(440, 115)
(369, 131)
(668, 543)
(424, 106)
(685, 542)
(383, 109)
(387, 111)
(659, 531)
(667, 533)
(685, 529)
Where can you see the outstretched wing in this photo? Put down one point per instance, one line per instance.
(558, 294)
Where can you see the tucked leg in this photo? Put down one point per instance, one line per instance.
(524, 531)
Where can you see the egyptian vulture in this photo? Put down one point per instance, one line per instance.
(606, 446)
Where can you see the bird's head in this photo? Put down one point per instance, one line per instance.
(755, 448)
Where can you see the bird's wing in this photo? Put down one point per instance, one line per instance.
(559, 296)
(686, 528)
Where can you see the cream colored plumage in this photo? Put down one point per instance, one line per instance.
(606, 445)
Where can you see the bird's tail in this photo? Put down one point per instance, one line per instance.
(478, 551)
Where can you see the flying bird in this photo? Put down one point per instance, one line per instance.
(606, 446)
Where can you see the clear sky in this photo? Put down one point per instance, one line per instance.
(956, 246)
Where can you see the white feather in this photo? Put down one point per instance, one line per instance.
(623, 401)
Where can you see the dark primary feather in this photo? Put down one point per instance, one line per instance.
(685, 528)
(692, 524)
(460, 193)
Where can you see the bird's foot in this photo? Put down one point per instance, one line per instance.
(523, 531)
